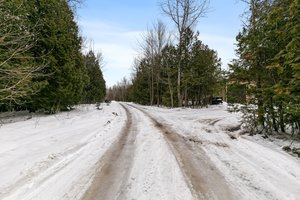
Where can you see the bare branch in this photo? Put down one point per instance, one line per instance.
(185, 13)
(17, 68)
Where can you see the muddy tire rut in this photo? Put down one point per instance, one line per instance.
(203, 178)
(114, 167)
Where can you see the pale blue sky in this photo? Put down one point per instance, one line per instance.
(116, 26)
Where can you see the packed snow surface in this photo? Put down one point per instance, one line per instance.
(128, 151)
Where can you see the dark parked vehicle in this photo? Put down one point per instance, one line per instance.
(216, 100)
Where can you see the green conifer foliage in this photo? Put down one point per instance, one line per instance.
(201, 74)
(286, 16)
(95, 89)
(58, 46)
(269, 52)
(17, 66)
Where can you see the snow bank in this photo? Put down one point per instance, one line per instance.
(256, 168)
(53, 157)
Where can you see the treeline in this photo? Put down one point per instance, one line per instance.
(173, 69)
(269, 65)
(42, 66)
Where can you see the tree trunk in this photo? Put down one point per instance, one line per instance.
(275, 127)
(152, 88)
(185, 96)
(261, 117)
(157, 93)
(281, 118)
(172, 100)
(170, 90)
(179, 87)
(158, 88)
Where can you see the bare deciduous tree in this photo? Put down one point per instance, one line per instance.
(17, 68)
(153, 43)
(75, 4)
(184, 13)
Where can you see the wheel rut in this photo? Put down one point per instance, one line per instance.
(203, 178)
(114, 167)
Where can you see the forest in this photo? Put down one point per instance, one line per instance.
(42, 66)
(180, 70)
(269, 66)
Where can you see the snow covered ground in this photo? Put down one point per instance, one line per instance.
(53, 157)
(254, 169)
(127, 151)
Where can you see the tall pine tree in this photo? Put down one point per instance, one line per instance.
(95, 89)
(58, 45)
(17, 65)
(269, 52)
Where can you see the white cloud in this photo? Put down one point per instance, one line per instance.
(223, 45)
(117, 46)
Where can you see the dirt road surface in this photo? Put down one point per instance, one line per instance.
(115, 172)
(125, 151)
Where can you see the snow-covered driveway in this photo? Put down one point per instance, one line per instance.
(127, 151)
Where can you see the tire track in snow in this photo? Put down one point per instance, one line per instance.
(203, 178)
(44, 169)
(115, 166)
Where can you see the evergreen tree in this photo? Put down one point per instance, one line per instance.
(169, 73)
(95, 90)
(200, 74)
(184, 14)
(269, 53)
(140, 91)
(58, 44)
(284, 19)
(17, 66)
(204, 74)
